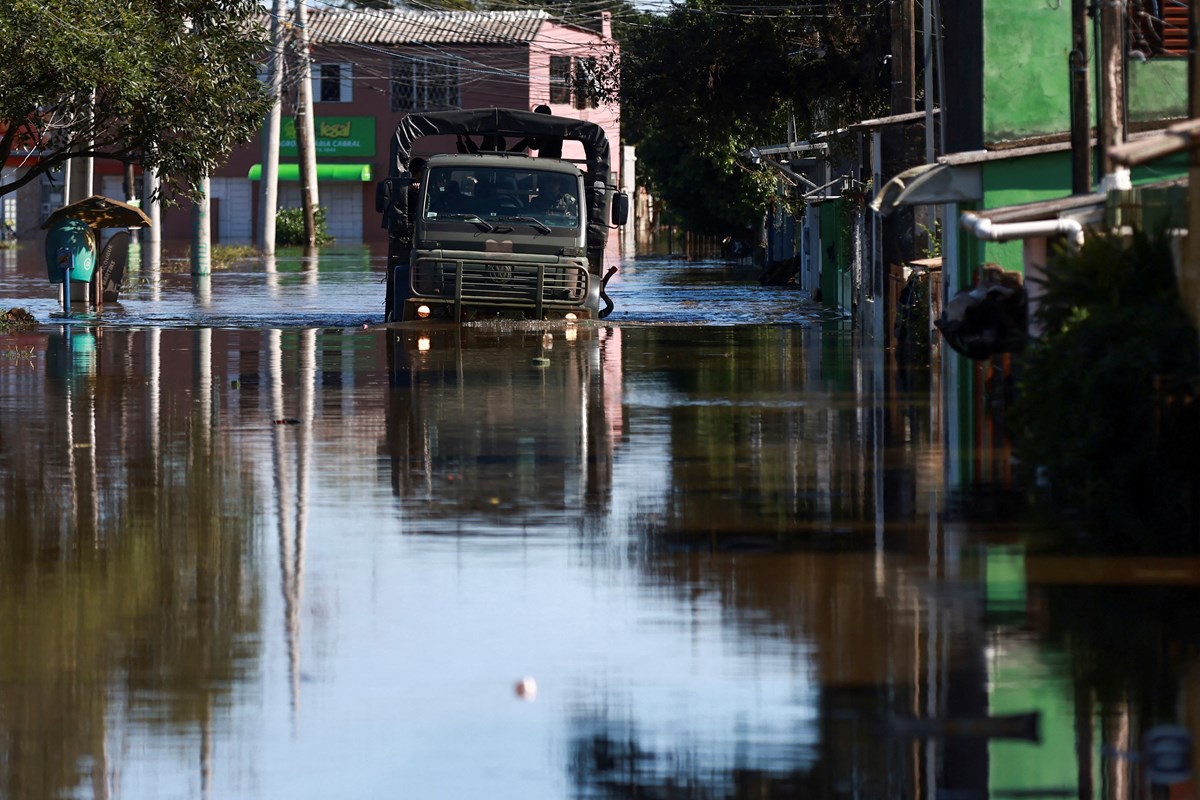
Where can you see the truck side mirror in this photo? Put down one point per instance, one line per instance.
(391, 200)
(620, 209)
(390, 190)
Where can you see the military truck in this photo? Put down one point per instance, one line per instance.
(489, 231)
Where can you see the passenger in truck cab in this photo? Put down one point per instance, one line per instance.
(556, 196)
(444, 196)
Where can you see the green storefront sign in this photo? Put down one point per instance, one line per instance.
(335, 136)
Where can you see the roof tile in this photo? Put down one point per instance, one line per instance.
(401, 26)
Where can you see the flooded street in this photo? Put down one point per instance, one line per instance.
(258, 545)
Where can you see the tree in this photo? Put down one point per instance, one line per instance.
(707, 80)
(172, 84)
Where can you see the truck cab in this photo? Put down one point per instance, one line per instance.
(487, 234)
(498, 236)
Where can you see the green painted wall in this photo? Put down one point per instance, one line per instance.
(1021, 180)
(836, 220)
(1023, 679)
(1025, 75)
(1026, 83)
(1157, 88)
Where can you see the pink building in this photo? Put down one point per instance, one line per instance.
(370, 68)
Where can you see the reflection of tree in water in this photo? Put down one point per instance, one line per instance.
(610, 762)
(862, 631)
(1127, 644)
(126, 576)
(611, 759)
(776, 436)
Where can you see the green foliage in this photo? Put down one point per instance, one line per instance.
(934, 237)
(1101, 390)
(289, 227)
(173, 84)
(707, 80)
(226, 255)
(16, 319)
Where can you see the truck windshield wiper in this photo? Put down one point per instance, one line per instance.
(537, 224)
(474, 219)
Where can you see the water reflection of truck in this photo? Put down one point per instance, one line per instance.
(490, 426)
(486, 232)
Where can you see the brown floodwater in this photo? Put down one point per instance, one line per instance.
(255, 544)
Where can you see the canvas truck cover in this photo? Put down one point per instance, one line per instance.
(510, 122)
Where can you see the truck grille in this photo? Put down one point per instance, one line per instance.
(520, 284)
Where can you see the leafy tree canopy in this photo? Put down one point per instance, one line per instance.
(172, 83)
(709, 79)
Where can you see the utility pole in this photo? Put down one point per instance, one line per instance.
(1112, 91)
(202, 230)
(89, 163)
(268, 190)
(1081, 140)
(305, 137)
(903, 69)
(894, 228)
(151, 234)
(927, 40)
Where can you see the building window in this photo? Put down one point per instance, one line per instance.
(587, 85)
(425, 84)
(560, 79)
(574, 80)
(331, 83)
(1158, 27)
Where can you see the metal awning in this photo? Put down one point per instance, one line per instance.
(325, 172)
(895, 119)
(930, 184)
(1087, 208)
(1178, 138)
(99, 211)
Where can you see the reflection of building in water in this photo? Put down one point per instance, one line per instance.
(784, 440)
(127, 571)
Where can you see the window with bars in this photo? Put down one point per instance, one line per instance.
(332, 83)
(574, 80)
(1158, 27)
(586, 83)
(425, 84)
(560, 79)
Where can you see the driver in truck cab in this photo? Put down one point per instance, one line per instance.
(556, 195)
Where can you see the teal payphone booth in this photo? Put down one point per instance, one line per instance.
(70, 255)
(72, 237)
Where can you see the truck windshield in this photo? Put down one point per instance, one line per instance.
(542, 198)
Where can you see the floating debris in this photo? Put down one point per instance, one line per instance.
(526, 689)
(16, 319)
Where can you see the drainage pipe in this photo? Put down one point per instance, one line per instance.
(984, 228)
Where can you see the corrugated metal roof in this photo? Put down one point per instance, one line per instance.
(400, 26)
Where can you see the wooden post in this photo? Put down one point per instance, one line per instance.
(1112, 88)
(903, 70)
(1081, 144)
